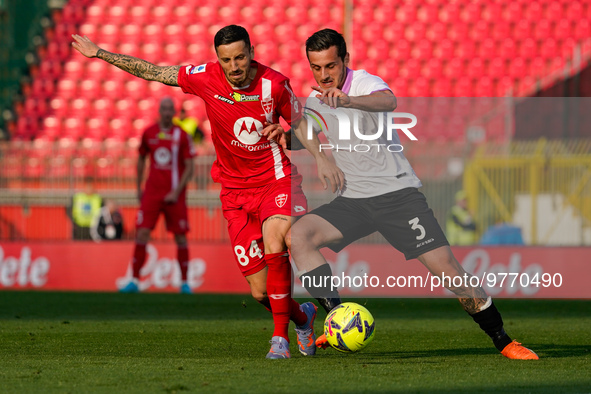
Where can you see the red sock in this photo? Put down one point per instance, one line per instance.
(296, 314)
(139, 258)
(182, 255)
(279, 291)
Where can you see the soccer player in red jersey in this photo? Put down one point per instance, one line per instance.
(171, 153)
(261, 190)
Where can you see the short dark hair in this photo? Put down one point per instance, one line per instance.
(230, 34)
(324, 39)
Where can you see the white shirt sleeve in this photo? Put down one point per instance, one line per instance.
(365, 83)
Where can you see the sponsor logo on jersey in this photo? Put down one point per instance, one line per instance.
(298, 209)
(248, 130)
(196, 69)
(162, 156)
(244, 97)
(281, 199)
(224, 99)
(163, 136)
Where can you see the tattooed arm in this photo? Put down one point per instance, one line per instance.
(140, 68)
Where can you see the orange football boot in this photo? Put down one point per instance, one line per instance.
(322, 342)
(516, 351)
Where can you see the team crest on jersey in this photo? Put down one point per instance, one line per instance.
(281, 199)
(267, 105)
(248, 130)
(244, 97)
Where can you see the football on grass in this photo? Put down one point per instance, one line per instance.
(349, 327)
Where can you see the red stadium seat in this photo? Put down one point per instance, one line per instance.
(139, 15)
(463, 88)
(487, 49)
(553, 10)
(161, 14)
(415, 32)
(421, 87)
(450, 13)
(475, 68)
(454, 68)
(505, 87)
(466, 49)
(496, 68)
(480, 31)
(471, 12)
(492, 12)
(518, 68)
(582, 29)
(513, 11)
(436, 32)
(118, 14)
(543, 30)
(458, 32)
(442, 87)
(533, 10)
(528, 48)
(400, 87)
(423, 49)
(483, 87)
(549, 49)
(445, 50)
(153, 34)
(406, 14)
(574, 11)
(95, 14)
(427, 13)
(401, 49)
(432, 69)
(508, 48)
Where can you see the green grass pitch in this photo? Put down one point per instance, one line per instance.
(172, 343)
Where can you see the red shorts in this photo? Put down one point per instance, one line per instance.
(247, 209)
(175, 214)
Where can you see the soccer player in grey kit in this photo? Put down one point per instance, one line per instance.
(379, 192)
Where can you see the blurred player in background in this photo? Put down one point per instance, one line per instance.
(380, 192)
(108, 224)
(244, 101)
(84, 207)
(171, 154)
(190, 124)
(460, 227)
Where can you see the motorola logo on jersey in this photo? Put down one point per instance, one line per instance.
(162, 156)
(248, 130)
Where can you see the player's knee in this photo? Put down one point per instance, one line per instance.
(180, 239)
(142, 235)
(304, 238)
(258, 295)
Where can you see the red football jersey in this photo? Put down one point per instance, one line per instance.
(245, 158)
(168, 150)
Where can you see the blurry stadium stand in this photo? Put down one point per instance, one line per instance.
(70, 118)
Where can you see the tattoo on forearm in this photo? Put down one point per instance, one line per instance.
(278, 217)
(141, 68)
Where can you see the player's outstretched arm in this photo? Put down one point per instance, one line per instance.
(140, 68)
(380, 101)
